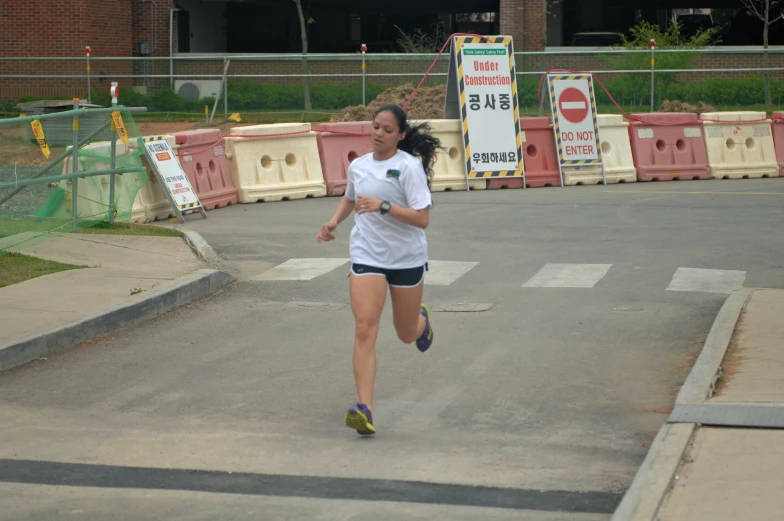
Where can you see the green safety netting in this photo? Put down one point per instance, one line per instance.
(32, 213)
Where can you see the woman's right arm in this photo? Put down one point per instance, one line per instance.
(345, 207)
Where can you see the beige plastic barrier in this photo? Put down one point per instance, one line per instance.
(93, 192)
(740, 145)
(582, 175)
(449, 169)
(276, 167)
(616, 149)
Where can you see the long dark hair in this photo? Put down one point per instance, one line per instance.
(418, 141)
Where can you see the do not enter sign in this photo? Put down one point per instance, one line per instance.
(574, 105)
(574, 119)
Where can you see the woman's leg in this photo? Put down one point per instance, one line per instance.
(410, 316)
(368, 294)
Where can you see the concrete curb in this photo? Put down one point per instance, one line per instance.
(653, 481)
(203, 250)
(186, 289)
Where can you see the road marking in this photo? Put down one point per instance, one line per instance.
(710, 281)
(444, 273)
(688, 193)
(568, 276)
(301, 269)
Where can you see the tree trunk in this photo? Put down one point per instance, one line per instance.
(765, 55)
(304, 33)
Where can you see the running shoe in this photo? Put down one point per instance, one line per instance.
(360, 418)
(423, 342)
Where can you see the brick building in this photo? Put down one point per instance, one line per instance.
(130, 30)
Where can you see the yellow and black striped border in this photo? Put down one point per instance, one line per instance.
(188, 206)
(551, 79)
(148, 139)
(506, 40)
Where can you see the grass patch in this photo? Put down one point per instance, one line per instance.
(15, 268)
(130, 229)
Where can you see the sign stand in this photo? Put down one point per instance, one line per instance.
(171, 176)
(575, 121)
(482, 93)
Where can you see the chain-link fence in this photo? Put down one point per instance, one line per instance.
(725, 78)
(48, 186)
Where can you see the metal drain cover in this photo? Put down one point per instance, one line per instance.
(463, 307)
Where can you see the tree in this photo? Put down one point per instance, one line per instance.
(763, 9)
(637, 86)
(303, 28)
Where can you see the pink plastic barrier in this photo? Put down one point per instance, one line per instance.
(672, 148)
(539, 157)
(778, 139)
(206, 167)
(337, 151)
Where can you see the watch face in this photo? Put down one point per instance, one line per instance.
(385, 207)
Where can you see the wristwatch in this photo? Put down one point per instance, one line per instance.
(385, 207)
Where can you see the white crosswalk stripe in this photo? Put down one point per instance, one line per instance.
(568, 276)
(444, 273)
(711, 281)
(301, 269)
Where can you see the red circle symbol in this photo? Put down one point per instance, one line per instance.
(573, 105)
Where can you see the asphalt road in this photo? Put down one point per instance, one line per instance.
(571, 318)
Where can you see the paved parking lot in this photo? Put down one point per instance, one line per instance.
(569, 319)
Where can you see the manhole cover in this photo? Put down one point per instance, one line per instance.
(463, 307)
(313, 305)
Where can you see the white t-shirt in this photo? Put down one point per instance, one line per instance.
(380, 240)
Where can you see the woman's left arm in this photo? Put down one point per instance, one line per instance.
(418, 218)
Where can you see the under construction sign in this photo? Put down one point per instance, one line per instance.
(482, 93)
(171, 176)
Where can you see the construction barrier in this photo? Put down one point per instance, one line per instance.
(449, 169)
(668, 146)
(93, 192)
(582, 175)
(740, 145)
(778, 139)
(206, 167)
(616, 149)
(539, 154)
(275, 162)
(338, 148)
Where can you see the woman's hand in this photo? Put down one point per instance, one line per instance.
(325, 234)
(367, 205)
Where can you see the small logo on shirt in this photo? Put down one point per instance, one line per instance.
(393, 173)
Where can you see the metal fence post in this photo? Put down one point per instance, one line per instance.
(653, 72)
(87, 51)
(75, 168)
(364, 49)
(115, 91)
(226, 90)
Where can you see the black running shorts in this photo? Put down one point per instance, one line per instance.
(407, 278)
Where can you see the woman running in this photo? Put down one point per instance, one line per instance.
(389, 189)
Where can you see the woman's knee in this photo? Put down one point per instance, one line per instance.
(366, 328)
(408, 334)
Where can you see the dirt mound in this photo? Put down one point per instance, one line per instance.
(677, 106)
(427, 104)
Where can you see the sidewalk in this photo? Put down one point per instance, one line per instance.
(57, 311)
(721, 454)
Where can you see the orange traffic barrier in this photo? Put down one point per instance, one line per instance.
(203, 159)
(338, 146)
(778, 139)
(668, 146)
